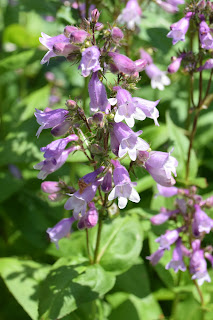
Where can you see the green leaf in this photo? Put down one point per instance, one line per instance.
(67, 286)
(20, 36)
(16, 61)
(144, 183)
(181, 146)
(121, 243)
(11, 185)
(156, 136)
(22, 279)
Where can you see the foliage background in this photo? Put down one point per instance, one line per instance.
(140, 291)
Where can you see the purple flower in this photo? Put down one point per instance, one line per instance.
(175, 65)
(57, 147)
(179, 29)
(149, 108)
(52, 164)
(106, 185)
(198, 267)
(87, 189)
(124, 140)
(123, 189)
(202, 222)
(163, 216)
(167, 239)
(130, 15)
(206, 39)
(177, 258)
(49, 119)
(90, 219)
(68, 30)
(60, 230)
(207, 65)
(117, 34)
(127, 108)
(168, 7)
(144, 55)
(140, 64)
(79, 36)
(90, 61)
(156, 256)
(58, 45)
(98, 95)
(161, 165)
(61, 129)
(158, 77)
(123, 63)
(167, 191)
(50, 187)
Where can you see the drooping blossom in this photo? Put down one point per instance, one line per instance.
(50, 165)
(57, 147)
(60, 230)
(87, 189)
(161, 165)
(156, 256)
(90, 61)
(206, 39)
(130, 15)
(50, 119)
(198, 265)
(167, 239)
(148, 107)
(177, 262)
(167, 192)
(202, 222)
(180, 28)
(207, 65)
(163, 216)
(90, 219)
(127, 108)
(58, 45)
(158, 78)
(124, 188)
(98, 95)
(124, 140)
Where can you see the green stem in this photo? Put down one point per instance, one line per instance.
(98, 239)
(199, 292)
(88, 248)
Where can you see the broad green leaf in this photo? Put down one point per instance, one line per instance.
(22, 278)
(190, 307)
(67, 286)
(155, 135)
(17, 60)
(181, 146)
(121, 243)
(11, 185)
(20, 36)
(144, 183)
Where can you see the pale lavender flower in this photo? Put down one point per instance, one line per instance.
(127, 108)
(90, 61)
(198, 267)
(206, 39)
(122, 63)
(163, 216)
(52, 164)
(180, 28)
(177, 258)
(167, 191)
(60, 230)
(123, 189)
(57, 147)
(161, 165)
(98, 95)
(158, 78)
(156, 256)
(202, 222)
(168, 7)
(49, 119)
(175, 65)
(130, 15)
(124, 140)
(149, 108)
(90, 219)
(145, 56)
(207, 65)
(167, 239)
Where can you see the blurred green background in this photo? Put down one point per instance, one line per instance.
(25, 213)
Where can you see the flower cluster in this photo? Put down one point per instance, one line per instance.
(192, 224)
(106, 131)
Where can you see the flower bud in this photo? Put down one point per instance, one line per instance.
(50, 186)
(50, 76)
(79, 36)
(95, 14)
(71, 104)
(99, 26)
(175, 65)
(117, 34)
(68, 30)
(98, 118)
